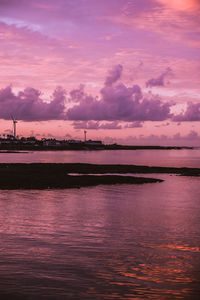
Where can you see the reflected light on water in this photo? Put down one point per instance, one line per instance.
(179, 247)
(105, 242)
(169, 158)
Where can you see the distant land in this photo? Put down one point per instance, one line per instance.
(10, 143)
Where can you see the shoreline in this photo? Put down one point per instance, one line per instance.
(16, 148)
(56, 175)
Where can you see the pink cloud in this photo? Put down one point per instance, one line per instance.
(96, 125)
(136, 124)
(111, 125)
(85, 125)
(163, 125)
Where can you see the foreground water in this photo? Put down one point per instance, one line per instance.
(105, 242)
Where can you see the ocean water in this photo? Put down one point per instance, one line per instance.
(172, 158)
(105, 242)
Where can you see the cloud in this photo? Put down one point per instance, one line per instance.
(68, 136)
(114, 75)
(111, 125)
(163, 125)
(28, 105)
(136, 124)
(8, 131)
(96, 125)
(190, 139)
(160, 80)
(191, 114)
(77, 95)
(117, 102)
(85, 125)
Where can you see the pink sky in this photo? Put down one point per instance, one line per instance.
(127, 71)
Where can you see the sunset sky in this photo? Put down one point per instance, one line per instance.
(126, 71)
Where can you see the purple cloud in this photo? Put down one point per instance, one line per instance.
(160, 80)
(114, 75)
(119, 103)
(28, 105)
(77, 95)
(192, 113)
(116, 103)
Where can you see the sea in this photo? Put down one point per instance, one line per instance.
(104, 242)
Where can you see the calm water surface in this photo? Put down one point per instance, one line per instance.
(105, 242)
(178, 158)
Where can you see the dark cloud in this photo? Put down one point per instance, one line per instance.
(192, 113)
(28, 105)
(160, 80)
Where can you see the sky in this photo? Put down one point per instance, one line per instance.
(125, 71)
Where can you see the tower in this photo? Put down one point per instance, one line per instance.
(14, 126)
(85, 132)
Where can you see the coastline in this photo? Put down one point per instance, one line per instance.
(57, 175)
(9, 148)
